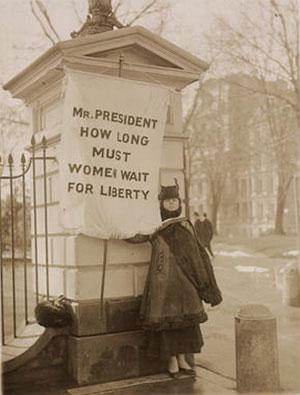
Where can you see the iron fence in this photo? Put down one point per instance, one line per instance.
(15, 234)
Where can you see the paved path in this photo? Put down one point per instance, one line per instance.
(241, 285)
(205, 382)
(243, 280)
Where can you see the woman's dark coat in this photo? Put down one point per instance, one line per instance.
(180, 276)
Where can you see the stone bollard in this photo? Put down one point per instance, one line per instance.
(256, 350)
(291, 285)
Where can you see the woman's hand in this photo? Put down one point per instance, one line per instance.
(138, 238)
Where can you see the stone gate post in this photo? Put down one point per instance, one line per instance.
(108, 346)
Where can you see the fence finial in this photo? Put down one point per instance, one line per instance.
(44, 141)
(23, 161)
(10, 160)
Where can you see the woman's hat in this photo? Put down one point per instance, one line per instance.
(169, 192)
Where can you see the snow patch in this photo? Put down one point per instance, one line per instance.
(291, 253)
(233, 253)
(251, 269)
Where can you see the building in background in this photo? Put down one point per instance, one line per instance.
(243, 157)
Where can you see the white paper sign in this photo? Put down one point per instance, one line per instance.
(110, 155)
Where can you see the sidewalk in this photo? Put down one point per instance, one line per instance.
(250, 280)
(243, 280)
(205, 382)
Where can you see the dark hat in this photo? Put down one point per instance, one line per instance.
(169, 192)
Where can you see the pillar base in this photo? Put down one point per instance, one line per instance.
(109, 357)
(118, 315)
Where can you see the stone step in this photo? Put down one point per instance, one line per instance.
(17, 346)
(120, 386)
(205, 381)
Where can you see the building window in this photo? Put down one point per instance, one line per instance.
(271, 211)
(200, 188)
(243, 188)
(260, 211)
(297, 182)
(250, 186)
(244, 212)
(197, 189)
(251, 211)
(270, 185)
(258, 185)
(237, 211)
(236, 187)
(199, 209)
(259, 162)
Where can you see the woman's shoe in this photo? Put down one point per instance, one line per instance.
(174, 375)
(184, 367)
(190, 372)
(173, 369)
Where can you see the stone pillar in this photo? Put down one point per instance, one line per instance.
(256, 350)
(104, 344)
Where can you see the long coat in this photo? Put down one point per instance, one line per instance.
(204, 231)
(180, 277)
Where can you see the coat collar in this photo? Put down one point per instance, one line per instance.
(170, 221)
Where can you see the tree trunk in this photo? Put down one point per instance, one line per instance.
(279, 229)
(214, 214)
(282, 190)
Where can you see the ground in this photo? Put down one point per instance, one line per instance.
(248, 272)
(272, 246)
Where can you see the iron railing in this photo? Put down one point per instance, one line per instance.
(15, 269)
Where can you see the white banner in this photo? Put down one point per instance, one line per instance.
(110, 155)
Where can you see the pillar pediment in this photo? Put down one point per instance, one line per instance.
(146, 57)
(136, 54)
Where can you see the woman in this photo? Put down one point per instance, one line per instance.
(180, 276)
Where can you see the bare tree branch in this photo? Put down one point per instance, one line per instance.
(268, 47)
(262, 91)
(254, 45)
(151, 7)
(41, 24)
(188, 119)
(80, 20)
(15, 121)
(117, 6)
(44, 11)
(286, 43)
